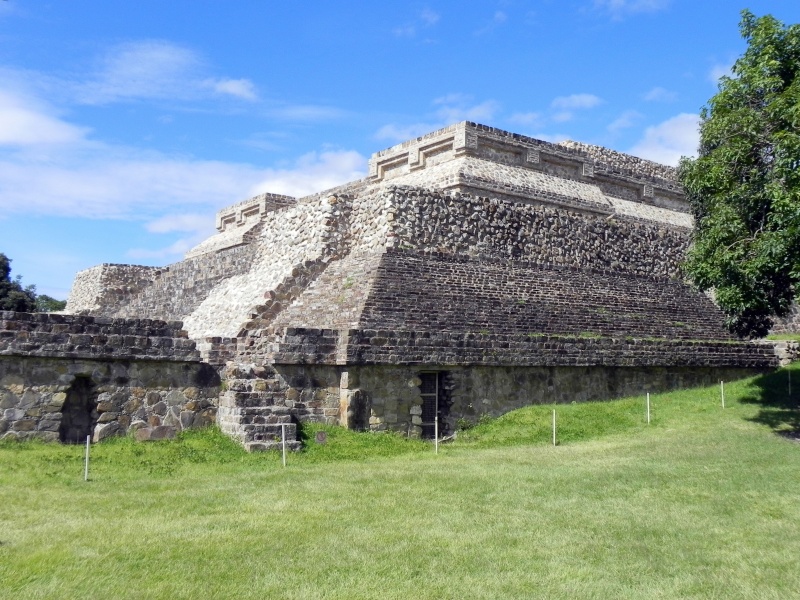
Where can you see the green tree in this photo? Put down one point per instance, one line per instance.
(744, 187)
(12, 295)
(45, 303)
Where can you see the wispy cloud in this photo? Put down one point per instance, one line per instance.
(451, 108)
(399, 133)
(668, 141)
(48, 166)
(528, 119)
(660, 94)
(240, 88)
(565, 105)
(306, 112)
(313, 172)
(576, 101)
(152, 70)
(425, 19)
(25, 121)
(627, 119)
(429, 17)
(180, 222)
(498, 18)
(621, 8)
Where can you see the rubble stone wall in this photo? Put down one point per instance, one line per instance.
(68, 376)
(492, 228)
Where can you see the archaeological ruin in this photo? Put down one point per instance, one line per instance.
(472, 272)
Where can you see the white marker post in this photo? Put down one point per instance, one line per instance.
(554, 427)
(722, 392)
(648, 408)
(283, 442)
(436, 434)
(86, 462)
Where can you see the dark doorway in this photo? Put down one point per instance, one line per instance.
(434, 403)
(78, 416)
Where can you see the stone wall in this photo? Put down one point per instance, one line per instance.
(492, 228)
(67, 399)
(389, 397)
(101, 290)
(75, 336)
(68, 376)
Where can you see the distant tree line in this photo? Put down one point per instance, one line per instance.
(23, 299)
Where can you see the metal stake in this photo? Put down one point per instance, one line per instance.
(86, 462)
(283, 442)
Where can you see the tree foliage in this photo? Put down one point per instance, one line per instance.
(744, 187)
(22, 299)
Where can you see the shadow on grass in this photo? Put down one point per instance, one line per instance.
(778, 396)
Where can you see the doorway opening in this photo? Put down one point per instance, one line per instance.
(435, 403)
(78, 415)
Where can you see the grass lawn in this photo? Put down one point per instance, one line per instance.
(702, 503)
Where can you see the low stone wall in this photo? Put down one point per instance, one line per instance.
(67, 399)
(63, 377)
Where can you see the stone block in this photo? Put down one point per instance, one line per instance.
(49, 425)
(106, 430)
(175, 398)
(152, 434)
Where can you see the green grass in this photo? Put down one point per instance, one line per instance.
(784, 337)
(702, 503)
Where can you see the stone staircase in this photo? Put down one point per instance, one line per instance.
(252, 411)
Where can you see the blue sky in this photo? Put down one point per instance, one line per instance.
(124, 126)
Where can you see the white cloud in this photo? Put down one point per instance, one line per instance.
(528, 119)
(562, 116)
(26, 122)
(576, 101)
(627, 119)
(668, 141)
(313, 172)
(620, 8)
(180, 222)
(241, 88)
(660, 94)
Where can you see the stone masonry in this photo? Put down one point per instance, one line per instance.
(471, 272)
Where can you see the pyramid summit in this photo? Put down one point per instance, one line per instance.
(471, 272)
